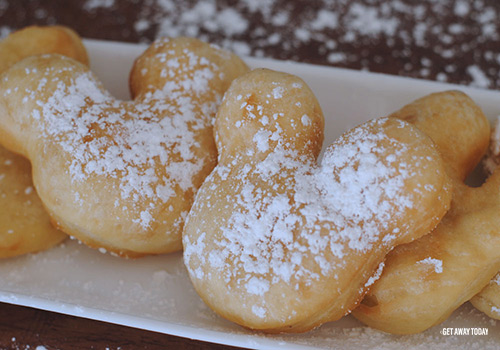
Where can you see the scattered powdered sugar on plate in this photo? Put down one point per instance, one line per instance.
(159, 288)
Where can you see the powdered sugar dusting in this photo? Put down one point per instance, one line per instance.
(259, 311)
(306, 212)
(130, 156)
(496, 279)
(257, 286)
(435, 263)
(376, 275)
(129, 141)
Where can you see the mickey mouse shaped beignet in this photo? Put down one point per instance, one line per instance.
(277, 243)
(119, 175)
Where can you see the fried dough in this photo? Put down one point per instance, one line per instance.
(278, 243)
(425, 281)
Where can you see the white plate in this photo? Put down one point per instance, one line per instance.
(155, 293)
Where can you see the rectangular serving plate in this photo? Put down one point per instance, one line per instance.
(154, 293)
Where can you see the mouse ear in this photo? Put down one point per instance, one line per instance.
(185, 65)
(264, 109)
(46, 87)
(455, 124)
(34, 40)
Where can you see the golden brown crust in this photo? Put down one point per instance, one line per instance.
(24, 224)
(278, 243)
(34, 40)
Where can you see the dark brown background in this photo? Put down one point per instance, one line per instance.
(444, 40)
